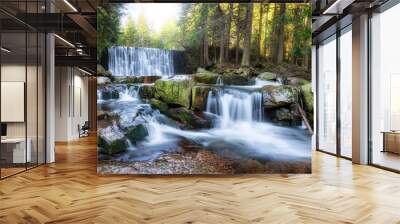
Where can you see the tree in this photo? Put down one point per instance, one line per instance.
(144, 39)
(206, 59)
(258, 45)
(247, 35)
(129, 36)
(281, 34)
(228, 30)
(266, 40)
(237, 34)
(108, 27)
(222, 35)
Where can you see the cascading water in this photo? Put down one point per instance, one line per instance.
(238, 128)
(235, 105)
(132, 61)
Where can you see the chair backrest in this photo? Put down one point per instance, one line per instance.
(86, 125)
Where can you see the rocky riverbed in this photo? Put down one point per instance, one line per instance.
(205, 123)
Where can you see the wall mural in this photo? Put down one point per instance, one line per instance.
(218, 88)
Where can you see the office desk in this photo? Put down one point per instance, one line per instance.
(13, 150)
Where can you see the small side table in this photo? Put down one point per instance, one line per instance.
(391, 141)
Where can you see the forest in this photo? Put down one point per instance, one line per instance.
(219, 33)
(204, 88)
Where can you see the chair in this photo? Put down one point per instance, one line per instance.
(84, 130)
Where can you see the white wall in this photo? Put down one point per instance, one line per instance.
(71, 102)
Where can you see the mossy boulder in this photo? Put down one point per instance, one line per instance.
(278, 96)
(199, 97)
(159, 105)
(136, 133)
(237, 80)
(307, 96)
(308, 100)
(188, 118)
(147, 91)
(206, 78)
(128, 79)
(175, 92)
(295, 81)
(111, 141)
(268, 76)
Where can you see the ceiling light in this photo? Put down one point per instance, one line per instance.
(84, 71)
(5, 50)
(70, 5)
(64, 40)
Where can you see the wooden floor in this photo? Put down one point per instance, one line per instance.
(70, 191)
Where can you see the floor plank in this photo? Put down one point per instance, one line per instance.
(70, 191)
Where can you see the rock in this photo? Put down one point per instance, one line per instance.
(278, 96)
(267, 76)
(159, 105)
(147, 91)
(136, 133)
(199, 97)
(188, 118)
(175, 92)
(206, 78)
(308, 101)
(246, 71)
(151, 79)
(237, 80)
(103, 80)
(105, 115)
(102, 72)
(111, 140)
(294, 81)
(108, 94)
(128, 79)
(287, 117)
(307, 96)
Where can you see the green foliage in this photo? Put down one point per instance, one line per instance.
(108, 27)
(200, 20)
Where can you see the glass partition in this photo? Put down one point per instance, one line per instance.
(346, 93)
(385, 89)
(22, 88)
(327, 96)
(13, 104)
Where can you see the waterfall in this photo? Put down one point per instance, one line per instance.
(99, 96)
(235, 105)
(132, 61)
(219, 82)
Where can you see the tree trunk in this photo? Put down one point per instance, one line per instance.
(247, 35)
(222, 36)
(296, 36)
(281, 34)
(266, 36)
(273, 37)
(306, 57)
(228, 31)
(258, 46)
(237, 35)
(205, 36)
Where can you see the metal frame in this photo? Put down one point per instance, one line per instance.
(44, 77)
